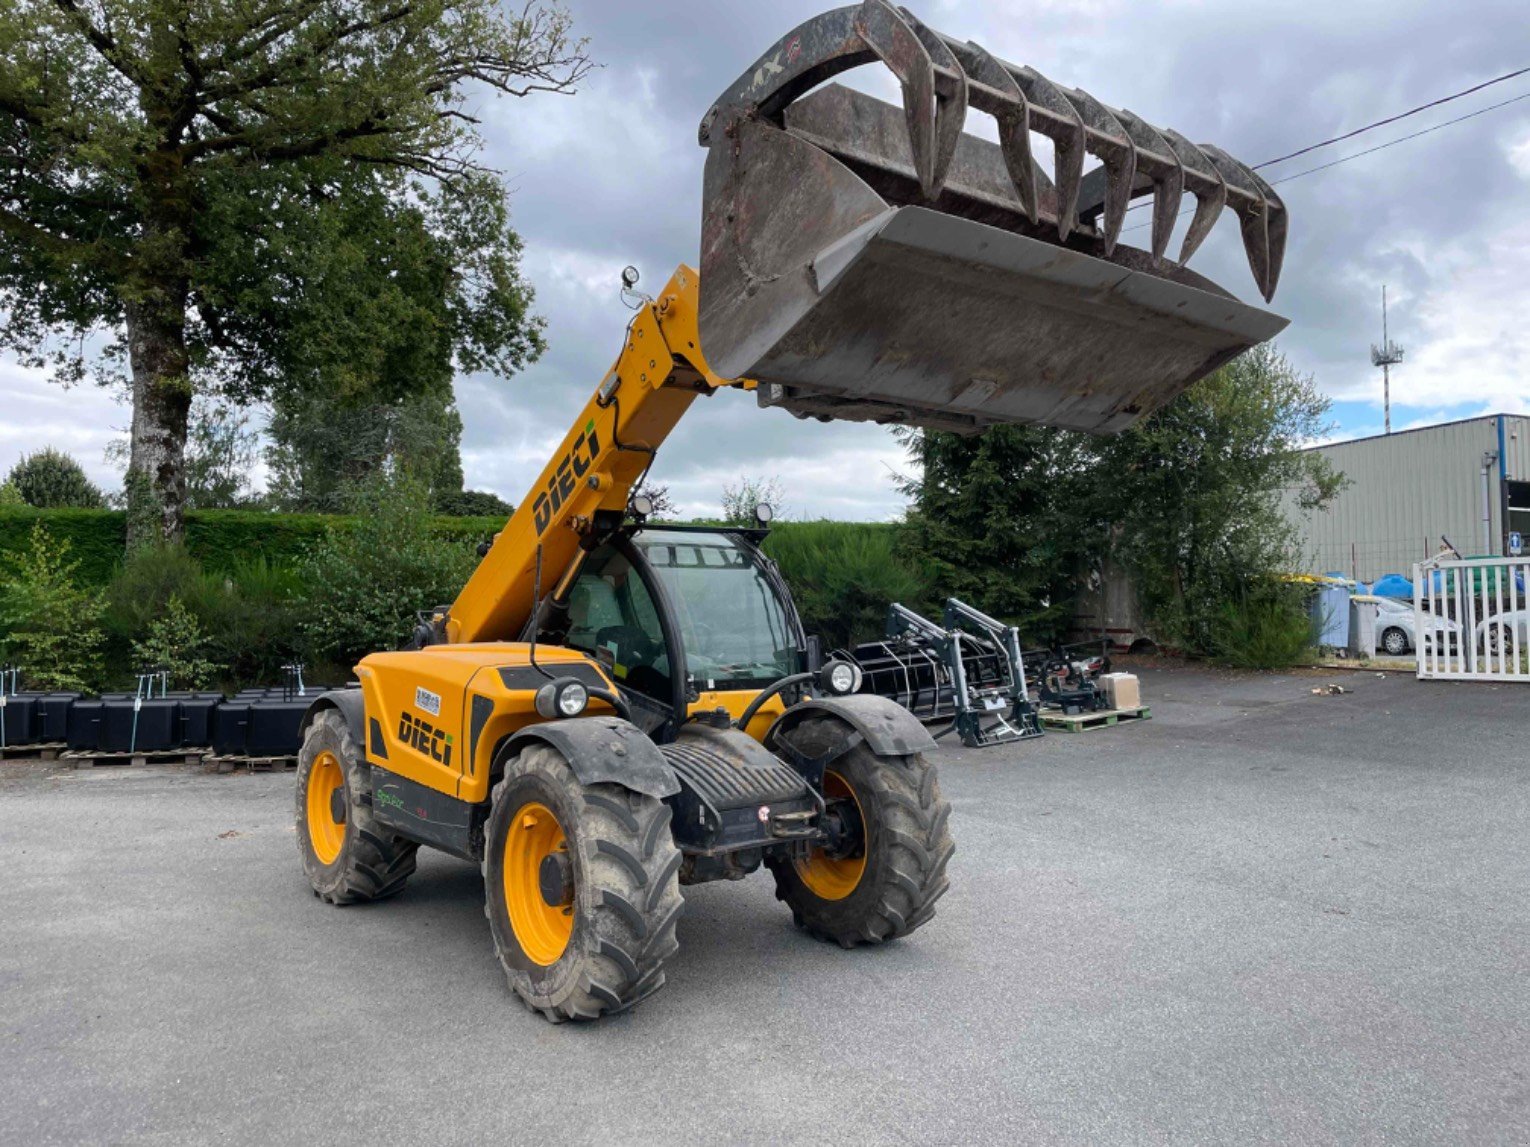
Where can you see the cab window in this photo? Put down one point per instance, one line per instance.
(612, 617)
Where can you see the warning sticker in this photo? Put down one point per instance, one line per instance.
(430, 702)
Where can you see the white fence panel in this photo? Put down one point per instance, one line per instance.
(1471, 619)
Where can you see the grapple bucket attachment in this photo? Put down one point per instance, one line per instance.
(867, 262)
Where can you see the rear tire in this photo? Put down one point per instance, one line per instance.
(625, 889)
(352, 858)
(907, 844)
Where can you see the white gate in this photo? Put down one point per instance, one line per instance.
(1471, 619)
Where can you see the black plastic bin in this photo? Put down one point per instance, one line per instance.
(132, 726)
(53, 716)
(197, 711)
(19, 720)
(83, 729)
(275, 727)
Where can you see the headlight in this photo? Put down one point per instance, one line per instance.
(564, 697)
(572, 699)
(840, 677)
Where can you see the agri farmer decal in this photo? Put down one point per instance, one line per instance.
(571, 467)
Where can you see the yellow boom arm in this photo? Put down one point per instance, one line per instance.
(657, 376)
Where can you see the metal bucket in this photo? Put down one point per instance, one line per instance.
(866, 262)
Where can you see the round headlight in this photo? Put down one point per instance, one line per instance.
(564, 697)
(572, 699)
(641, 505)
(841, 677)
(764, 512)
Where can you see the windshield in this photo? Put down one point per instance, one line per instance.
(734, 627)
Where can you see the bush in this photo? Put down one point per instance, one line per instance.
(176, 644)
(10, 496)
(363, 585)
(472, 504)
(1265, 626)
(140, 594)
(843, 575)
(50, 626)
(50, 479)
(253, 632)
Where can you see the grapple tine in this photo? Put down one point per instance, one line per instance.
(1108, 140)
(993, 89)
(1065, 128)
(1253, 211)
(950, 97)
(932, 102)
(1205, 183)
(1276, 227)
(1156, 160)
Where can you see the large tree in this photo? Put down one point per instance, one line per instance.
(996, 519)
(1189, 500)
(193, 175)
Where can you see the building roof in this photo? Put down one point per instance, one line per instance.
(1418, 429)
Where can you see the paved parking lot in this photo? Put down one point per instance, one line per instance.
(1262, 915)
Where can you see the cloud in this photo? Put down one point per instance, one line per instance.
(612, 176)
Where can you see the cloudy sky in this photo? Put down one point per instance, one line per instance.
(612, 176)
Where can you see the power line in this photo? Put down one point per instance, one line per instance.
(1392, 119)
(1401, 139)
(1367, 151)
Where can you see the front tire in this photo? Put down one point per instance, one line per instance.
(891, 886)
(581, 889)
(347, 855)
(1394, 641)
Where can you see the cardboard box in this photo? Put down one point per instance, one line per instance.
(1121, 690)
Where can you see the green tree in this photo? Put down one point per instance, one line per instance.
(176, 644)
(260, 198)
(221, 450)
(364, 583)
(10, 496)
(50, 479)
(740, 501)
(323, 446)
(1000, 521)
(470, 504)
(48, 624)
(1195, 493)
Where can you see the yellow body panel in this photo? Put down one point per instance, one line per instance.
(423, 701)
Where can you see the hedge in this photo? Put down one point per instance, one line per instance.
(842, 574)
(216, 538)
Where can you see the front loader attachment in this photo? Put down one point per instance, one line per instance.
(866, 262)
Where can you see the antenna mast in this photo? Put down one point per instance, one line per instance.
(1386, 356)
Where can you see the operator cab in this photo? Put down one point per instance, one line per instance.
(681, 617)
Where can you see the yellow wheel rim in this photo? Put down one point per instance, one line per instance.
(325, 833)
(827, 877)
(542, 929)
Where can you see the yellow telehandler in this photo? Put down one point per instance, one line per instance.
(611, 710)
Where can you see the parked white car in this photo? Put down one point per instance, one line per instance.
(1499, 629)
(1395, 634)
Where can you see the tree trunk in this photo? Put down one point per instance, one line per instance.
(156, 486)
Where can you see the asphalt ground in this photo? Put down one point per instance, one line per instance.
(1262, 915)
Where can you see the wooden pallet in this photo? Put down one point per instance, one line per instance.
(88, 759)
(253, 764)
(1099, 719)
(48, 752)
